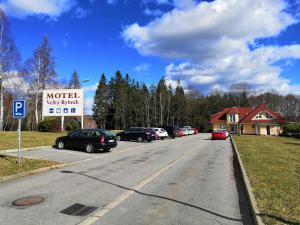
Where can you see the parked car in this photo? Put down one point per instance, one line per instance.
(152, 130)
(226, 132)
(195, 131)
(161, 133)
(218, 135)
(191, 131)
(88, 139)
(172, 131)
(137, 133)
(180, 133)
(186, 131)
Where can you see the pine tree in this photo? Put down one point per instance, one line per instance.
(74, 82)
(100, 106)
(162, 96)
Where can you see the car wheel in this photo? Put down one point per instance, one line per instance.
(140, 139)
(60, 145)
(89, 148)
(149, 140)
(106, 149)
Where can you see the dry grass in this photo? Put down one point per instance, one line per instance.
(9, 140)
(9, 165)
(273, 167)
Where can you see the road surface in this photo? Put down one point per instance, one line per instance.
(188, 180)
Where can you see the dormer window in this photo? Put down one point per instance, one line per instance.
(259, 116)
(268, 116)
(232, 117)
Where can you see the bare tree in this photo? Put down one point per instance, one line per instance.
(40, 73)
(9, 59)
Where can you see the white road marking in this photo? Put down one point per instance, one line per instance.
(113, 204)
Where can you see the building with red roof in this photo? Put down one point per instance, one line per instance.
(258, 120)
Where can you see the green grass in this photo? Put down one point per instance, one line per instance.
(9, 165)
(9, 140)
(273, 167)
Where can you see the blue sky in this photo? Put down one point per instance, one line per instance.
(206, 44)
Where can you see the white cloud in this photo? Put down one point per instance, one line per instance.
(24, 8)
(142, 68)
(111, 1)
(80, 12)
(212, 40)
(153, 12)
(91, 88)
(65, 43)
(88, 105)
(184, 4)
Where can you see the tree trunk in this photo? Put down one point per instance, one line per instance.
(1, 105)
(36, 110)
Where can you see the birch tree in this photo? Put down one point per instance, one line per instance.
(9, 59)
(41, 74)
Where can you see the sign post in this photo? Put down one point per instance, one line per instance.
(19, 113)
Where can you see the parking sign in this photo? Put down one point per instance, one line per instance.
(19, 109)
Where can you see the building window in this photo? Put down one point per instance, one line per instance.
(223, 127)
(268, 116)
(232, 117)
(259, 116)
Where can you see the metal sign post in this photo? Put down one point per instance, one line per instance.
(19, 145)
(19, 113)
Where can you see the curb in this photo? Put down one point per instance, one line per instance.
(25, 149)
(32, 172)
(253, 205)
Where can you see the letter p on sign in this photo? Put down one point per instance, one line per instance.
(19, 109)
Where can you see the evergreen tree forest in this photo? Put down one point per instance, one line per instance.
(122, 102)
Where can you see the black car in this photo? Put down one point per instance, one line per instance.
(88, 139)
(172, 131)
(137, 133)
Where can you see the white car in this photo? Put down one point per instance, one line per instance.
(161, 133)
(191, 131)
(186, 131)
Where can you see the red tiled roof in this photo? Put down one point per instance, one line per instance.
(242, 111)
(246, 114)
(263, 108)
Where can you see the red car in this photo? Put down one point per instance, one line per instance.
(195, 131)
(218, 135)
(180, 133)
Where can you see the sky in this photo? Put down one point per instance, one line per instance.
(205, 44)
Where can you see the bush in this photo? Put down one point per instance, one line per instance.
(49, 125)
(292, 130)
(73, 125)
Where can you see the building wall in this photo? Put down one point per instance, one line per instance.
(228, 118)
(248, 129)
(262, 129)
(216, 126)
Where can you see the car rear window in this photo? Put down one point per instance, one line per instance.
(108, 133)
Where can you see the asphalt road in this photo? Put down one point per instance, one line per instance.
(188, 180)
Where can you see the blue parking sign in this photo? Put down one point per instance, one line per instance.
(19, 109)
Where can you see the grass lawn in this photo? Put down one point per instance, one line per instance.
(9, 140)
(273, 167)
(9, 165)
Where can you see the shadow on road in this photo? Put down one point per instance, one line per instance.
(158, 196)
